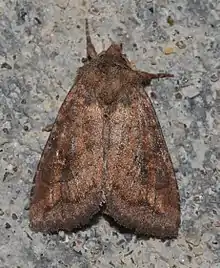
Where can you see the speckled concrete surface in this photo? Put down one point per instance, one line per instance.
(41, 46)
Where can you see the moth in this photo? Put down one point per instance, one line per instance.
(106, 152)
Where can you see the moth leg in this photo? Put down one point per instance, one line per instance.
(91, 52)
(147, 77)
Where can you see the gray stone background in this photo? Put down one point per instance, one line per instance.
(41, 46)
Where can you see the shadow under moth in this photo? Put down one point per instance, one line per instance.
(106, 151)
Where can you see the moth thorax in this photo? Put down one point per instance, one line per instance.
(110, 93)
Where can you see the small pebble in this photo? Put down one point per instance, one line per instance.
(185, 259)
(7, 225)
(14, 216)
(214, 77)
(178, 96)
(26, 128)
(5, 130)
(153, 95)
(5, 65)
(170, 21)
(180, 44)
(1, 212)
(168, 50)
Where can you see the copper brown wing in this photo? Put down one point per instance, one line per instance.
(141, 188)
(67, 190)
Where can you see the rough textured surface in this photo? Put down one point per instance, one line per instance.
(41, 46)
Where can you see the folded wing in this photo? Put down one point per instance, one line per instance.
(141, 187)
(67, 190)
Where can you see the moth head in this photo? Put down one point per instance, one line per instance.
(116, 51)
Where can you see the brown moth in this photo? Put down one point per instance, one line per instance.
(106, 151)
